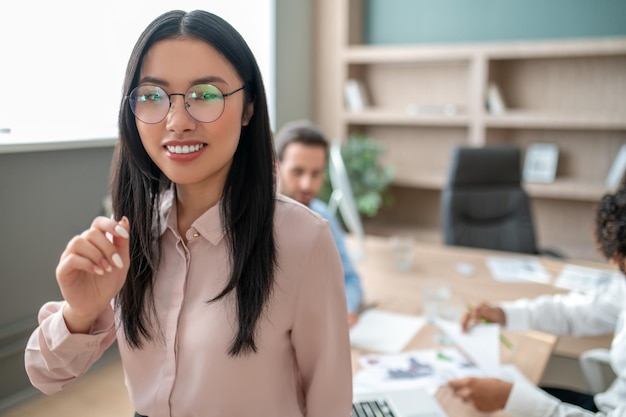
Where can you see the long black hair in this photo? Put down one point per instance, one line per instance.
(248, 201)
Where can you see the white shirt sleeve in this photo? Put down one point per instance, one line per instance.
(575, 314)
(528, 400)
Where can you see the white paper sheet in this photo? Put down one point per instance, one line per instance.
(416, 369)
(481, 344)
(579, 278)
(422, 369)
(515, 269)
(384, 331)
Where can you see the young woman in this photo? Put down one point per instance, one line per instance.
(597, 312)
(223, 296)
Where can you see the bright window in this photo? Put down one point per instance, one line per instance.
(52, 52)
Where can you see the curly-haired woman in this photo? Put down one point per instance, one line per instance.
(599, 312)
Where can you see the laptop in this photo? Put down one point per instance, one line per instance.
(405, 403)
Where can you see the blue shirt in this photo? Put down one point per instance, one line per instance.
(354, 291)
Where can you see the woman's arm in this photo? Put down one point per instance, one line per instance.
(320, 332)
(73, 334)
(574, 313)
(55, 358)
(520, 399)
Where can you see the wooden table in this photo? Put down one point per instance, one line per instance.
(400, 291)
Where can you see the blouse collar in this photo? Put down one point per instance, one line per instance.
(209, 225)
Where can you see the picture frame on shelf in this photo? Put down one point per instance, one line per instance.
(355, 95)
(618, 169)
(540, 162)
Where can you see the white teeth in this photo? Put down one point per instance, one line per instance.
(185, 148)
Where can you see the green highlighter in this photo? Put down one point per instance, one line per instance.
(506, 342)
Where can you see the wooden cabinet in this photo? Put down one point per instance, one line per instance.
(426, 99)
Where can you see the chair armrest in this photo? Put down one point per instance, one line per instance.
(591, 363)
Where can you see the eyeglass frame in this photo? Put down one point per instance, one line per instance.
(186, 103)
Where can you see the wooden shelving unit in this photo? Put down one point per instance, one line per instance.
(427, 99)
(393, 118)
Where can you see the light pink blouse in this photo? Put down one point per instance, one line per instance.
(302, 366)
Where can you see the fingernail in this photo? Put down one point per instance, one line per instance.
(117, 260)
(121, 231)
(107, 266)
(98, 270)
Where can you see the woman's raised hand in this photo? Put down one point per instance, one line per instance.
(92, 270)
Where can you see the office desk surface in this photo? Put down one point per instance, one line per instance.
(400, 291)
(438, 262)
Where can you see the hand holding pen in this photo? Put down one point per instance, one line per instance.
(481, 313)
(485, 313)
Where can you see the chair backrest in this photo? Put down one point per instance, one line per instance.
(343, 198)
(484, 204)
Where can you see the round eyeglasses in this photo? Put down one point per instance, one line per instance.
(203, 102)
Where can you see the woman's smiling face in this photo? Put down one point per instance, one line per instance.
(187, 151)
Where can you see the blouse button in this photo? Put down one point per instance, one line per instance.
(196, 234)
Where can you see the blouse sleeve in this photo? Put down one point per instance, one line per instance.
(55, 358)
(320, 333)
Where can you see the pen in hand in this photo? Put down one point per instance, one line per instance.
(503, 339)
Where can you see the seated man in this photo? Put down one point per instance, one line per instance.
(597, 312)
(302, 152)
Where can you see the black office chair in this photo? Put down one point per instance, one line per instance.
(484, 204)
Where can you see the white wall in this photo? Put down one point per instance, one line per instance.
(54, 52)
(294, 60)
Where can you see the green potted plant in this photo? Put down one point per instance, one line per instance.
(369, 178)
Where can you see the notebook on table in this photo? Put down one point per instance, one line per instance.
(405, 403)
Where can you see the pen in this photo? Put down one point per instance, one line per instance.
(503, 339)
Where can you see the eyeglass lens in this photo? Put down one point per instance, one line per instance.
(150, 103)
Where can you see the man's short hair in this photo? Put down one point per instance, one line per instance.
(299, 131)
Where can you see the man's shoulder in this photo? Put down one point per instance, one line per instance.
(320, 208)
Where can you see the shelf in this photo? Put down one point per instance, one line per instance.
(569, 92)
(364, 54)
(556, 49)
(567, 189)
(391, 117)
(423, 181)
(556, 120)
(560, 189)
(406, 54)
(513, 119)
